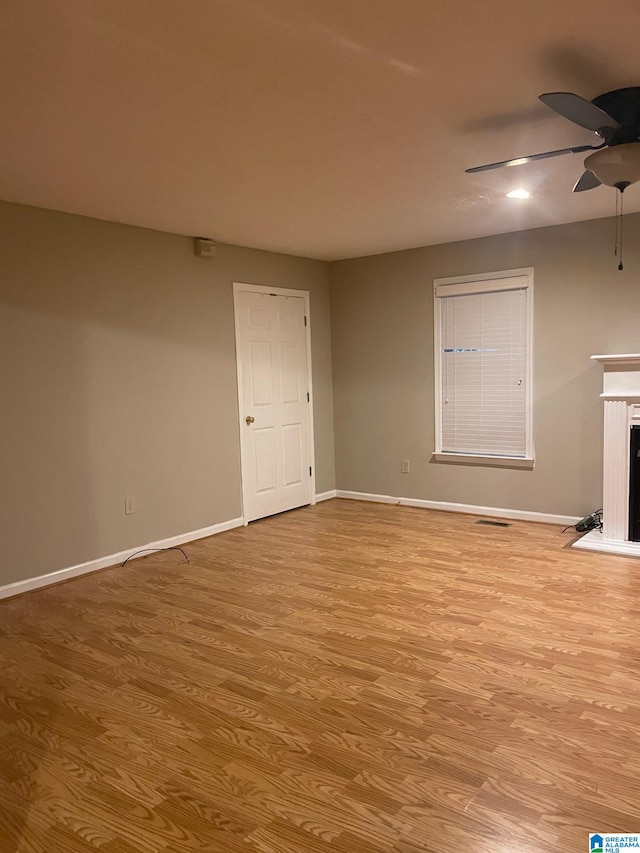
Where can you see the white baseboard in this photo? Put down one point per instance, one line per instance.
(471, 509)
(326, 496)
(19, 587)
(595, 541)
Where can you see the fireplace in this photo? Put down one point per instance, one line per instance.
(621, 475)
(634, 484)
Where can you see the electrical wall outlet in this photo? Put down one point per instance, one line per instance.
(129, 506)
(404, 466)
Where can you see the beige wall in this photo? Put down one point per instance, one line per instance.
(117, 377)
(382, 312)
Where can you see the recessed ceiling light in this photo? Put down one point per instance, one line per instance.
(520, 193)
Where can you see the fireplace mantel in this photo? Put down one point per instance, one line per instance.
(621, 376)
(621, 394)
(625, 358)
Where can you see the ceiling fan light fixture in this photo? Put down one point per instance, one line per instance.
(616, 166)
(519, 193)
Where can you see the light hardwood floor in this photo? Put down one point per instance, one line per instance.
(349, 678)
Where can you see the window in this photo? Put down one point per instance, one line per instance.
(483, 368)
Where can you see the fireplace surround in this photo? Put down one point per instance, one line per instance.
(621, 395)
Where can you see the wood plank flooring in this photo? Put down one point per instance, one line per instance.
(349, 678)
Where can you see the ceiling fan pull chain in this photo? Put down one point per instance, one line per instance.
(617, 225)
(620, 266)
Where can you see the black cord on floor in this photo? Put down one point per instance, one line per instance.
(142, 550)
(596, 518)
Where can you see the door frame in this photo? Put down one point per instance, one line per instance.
(242, 287)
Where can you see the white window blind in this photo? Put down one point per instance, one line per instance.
(484, 366)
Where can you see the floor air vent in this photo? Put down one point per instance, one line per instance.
(494, 523)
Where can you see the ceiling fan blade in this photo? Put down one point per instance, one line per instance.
(588, 181)
(518, 161)
(580, 111)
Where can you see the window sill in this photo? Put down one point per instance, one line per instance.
(487, 461)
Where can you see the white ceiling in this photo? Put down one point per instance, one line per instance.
(325, 128)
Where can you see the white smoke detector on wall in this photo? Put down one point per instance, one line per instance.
(204, 248)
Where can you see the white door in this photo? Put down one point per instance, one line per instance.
(274, 399)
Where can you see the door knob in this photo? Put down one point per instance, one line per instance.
(249, 420)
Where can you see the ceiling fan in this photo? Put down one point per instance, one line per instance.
(615, 118)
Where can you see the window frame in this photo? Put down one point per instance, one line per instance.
(495, 460)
